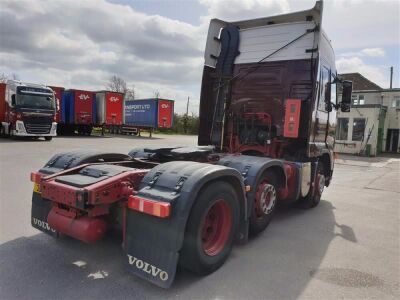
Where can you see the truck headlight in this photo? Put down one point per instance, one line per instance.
(20, 126)
(54, 127)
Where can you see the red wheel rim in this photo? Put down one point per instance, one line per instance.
(216, 227)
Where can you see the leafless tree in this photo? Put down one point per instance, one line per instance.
(130, 93)
(4, 77)
(118, 84)
(15, 76)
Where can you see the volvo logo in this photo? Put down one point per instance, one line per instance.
(42, 224)
(83, 96)
(147, 268)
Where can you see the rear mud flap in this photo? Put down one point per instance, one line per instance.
(151, 248)
(40, 211)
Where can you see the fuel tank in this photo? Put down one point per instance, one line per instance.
(88, 230)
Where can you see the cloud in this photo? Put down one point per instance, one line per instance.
(373, 52)
(366, 52)
(235, 10)
(82, 45)
(362, 24)
(355, 64)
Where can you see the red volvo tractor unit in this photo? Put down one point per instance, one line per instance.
(267, 125)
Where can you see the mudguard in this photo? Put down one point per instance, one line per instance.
(251, 168)
(152, 244)
(40, 210)
(59, 162)
(67, 160)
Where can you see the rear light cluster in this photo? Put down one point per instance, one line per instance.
(36, 177)
(150, 207)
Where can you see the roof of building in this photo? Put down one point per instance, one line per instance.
(360, 83)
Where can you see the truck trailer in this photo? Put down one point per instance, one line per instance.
(58, 93)
(78, 112)
(147, 114)
(267, 128)
(110, 110)
(27, 110)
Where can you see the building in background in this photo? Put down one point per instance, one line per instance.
(372, 126)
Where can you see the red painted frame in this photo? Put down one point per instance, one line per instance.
(97, 197)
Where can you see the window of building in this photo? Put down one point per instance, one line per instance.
(396, 102)
(358, 129)
(354, 99)
(342, 129)
(358, 99)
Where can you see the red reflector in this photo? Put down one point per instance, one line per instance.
(150, 207)
(36, 177)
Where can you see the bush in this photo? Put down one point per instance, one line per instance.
(183, 124)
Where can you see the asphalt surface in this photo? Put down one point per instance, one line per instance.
(347, 247)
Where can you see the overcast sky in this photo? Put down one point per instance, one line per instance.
(158, 44)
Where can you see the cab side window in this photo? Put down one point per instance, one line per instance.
(325, 87)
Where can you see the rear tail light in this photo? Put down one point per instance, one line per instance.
(36, 177)
(150, 207)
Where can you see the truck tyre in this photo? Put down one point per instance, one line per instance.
(88, 130)
(2, 131)
(48, 138)
(265, 200)
(211, 229)
(313, 200)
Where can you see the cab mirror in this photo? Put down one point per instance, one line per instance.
(13, 100)
(346, 96)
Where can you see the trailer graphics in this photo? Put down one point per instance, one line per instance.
(267, 123)
(110, 106)
(78, 112)
(27, 110)
(147, 114)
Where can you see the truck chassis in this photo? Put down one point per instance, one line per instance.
(186, 205)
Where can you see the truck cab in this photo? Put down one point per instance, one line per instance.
(29, 110)
(269, 88)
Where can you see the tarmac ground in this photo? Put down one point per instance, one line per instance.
(346, 247)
